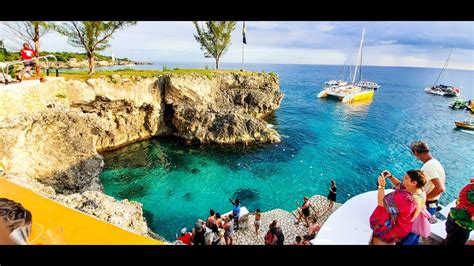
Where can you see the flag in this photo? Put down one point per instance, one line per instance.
(243, 34)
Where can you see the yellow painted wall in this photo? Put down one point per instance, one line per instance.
(77, 227)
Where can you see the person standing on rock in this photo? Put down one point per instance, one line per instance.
(304, 211)
(229, 229)
(332, 195)
(211, 219)
(257, 222)
(236, 212)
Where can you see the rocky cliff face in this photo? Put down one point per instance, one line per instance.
(128, 110)
(54, 150)
(224, 109)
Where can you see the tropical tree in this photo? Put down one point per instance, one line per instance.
(93, 36)
(29, 32)
(214, 38)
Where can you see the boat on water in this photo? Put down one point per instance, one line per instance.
(444, 90)
(468, 123)
(349, 92)
(459, 104)
(470, 106)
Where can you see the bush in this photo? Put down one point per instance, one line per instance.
(165, 68)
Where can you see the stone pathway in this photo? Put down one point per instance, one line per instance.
(246, 235)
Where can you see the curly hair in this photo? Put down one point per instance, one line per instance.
(418, 176)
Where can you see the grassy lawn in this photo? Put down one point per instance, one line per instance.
(82, 75)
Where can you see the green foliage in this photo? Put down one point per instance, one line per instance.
(5, 55)
(92, 36)
(83, 75)
(66, 56)
(273, 74)
(214, 38)
(165, 68)
(206, 67)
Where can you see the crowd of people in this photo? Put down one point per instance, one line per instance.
(397, 219)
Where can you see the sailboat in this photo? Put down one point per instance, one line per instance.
(444, 90)
(350, 92)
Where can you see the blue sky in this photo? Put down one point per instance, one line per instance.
(417, 44)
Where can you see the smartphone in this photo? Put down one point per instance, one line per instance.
(440, 216)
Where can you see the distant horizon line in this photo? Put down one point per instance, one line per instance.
(463, 69)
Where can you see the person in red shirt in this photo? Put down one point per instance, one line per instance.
(26, 54)
(185, 237)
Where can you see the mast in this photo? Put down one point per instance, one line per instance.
(359, 58)
(444, 67)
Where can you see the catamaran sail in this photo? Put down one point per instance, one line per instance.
(440, 89)
(350, 92)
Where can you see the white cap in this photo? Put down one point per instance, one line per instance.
(183, 231)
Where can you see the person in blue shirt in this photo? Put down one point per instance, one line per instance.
(236, 212)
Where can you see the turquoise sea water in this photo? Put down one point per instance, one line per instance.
(322, 140)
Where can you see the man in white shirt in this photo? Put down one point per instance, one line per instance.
(434, 173)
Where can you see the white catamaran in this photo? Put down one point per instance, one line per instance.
(444, 90)
(353, 91)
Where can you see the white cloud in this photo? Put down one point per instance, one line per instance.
(388, 42)
(326, 28)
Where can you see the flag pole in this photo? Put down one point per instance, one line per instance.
(244, 42)
(243, 48)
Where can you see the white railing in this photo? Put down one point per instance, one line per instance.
(4, 66)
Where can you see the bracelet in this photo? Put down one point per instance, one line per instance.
(379, 187)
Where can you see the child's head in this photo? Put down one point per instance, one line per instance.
(258, 210)
(298, 239)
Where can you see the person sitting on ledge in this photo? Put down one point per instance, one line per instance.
(312, 229)
(185, 237)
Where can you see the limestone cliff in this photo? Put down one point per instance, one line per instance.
(224, 109)
(52, 146)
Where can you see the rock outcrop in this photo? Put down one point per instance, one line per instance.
(54, 147)
(129, 111)
(226, 109)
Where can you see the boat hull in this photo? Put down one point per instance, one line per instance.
(323, 94)
(360, 96)
(464, 125)
(442, 93)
